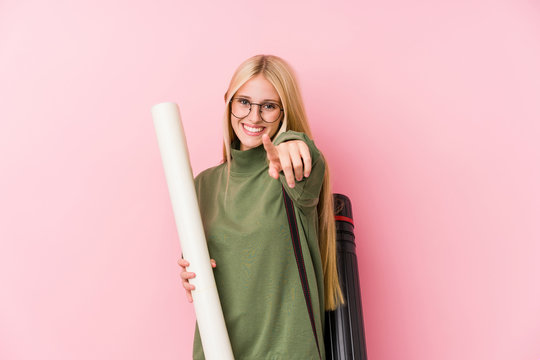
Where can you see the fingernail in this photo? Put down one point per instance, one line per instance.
(291, 185)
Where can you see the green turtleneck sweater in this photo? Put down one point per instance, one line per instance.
(256, 274)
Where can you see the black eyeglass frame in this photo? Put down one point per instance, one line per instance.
(260, 111)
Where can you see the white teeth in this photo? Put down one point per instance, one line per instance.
(249, 128)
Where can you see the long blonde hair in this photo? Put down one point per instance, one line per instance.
(278, 72)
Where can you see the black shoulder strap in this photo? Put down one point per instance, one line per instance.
(289, 206)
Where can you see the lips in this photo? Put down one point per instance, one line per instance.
(253, 130)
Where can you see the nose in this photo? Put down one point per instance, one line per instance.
(254, 114)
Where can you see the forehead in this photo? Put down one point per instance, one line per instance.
(259, 88)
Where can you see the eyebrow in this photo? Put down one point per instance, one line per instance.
(247, 97)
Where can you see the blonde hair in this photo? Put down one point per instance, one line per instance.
(280, 74)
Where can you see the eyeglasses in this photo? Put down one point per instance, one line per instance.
(269, 111)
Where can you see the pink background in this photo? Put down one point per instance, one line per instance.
(427, 111)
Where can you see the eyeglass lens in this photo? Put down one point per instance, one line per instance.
(269, 111)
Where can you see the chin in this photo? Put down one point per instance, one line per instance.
(251, 143)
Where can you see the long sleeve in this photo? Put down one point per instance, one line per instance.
(305, 193)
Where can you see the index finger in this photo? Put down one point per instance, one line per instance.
(271, 150)
(183, 263)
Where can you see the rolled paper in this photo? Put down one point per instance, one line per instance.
(179, 176)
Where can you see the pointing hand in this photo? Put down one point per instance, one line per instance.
(292, 157)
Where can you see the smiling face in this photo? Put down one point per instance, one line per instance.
(250, 129)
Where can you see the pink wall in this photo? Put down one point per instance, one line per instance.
(428, 113)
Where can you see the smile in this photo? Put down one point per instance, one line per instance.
(253, 131)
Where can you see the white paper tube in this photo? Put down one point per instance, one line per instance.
(175, 157)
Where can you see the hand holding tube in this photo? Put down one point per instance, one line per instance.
(185, 275)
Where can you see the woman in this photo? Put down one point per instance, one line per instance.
(267, 148)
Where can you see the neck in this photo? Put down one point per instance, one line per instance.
(247, 160)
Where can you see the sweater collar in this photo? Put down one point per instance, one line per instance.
(248, 160)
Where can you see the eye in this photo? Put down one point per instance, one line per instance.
(242, 101)
(270, 106)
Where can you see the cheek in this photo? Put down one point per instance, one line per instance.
(235, 127)
(274, 130)
(234, 124)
